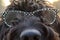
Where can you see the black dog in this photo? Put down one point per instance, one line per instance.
(30, 6)
(27, 23)
(29, 29)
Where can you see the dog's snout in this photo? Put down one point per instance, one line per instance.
(30, 35)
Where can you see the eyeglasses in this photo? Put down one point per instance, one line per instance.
(48, 15)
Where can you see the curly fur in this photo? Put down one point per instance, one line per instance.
(27, 6)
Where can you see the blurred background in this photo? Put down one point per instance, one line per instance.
(5, 3)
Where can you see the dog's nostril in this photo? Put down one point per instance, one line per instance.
(36, 38)
(26, 38)
(30, 35)
(31, 38)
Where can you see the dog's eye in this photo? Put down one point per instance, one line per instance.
(15, 21)
(47, 15)
(12, 17)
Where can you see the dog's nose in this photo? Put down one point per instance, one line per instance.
(31, 34)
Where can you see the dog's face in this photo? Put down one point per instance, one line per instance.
(27, 23)
(29, 28)
(25, 27)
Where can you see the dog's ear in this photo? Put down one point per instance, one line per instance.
(49, 33)
(52, 34)
(11, 34)
(3, 32)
